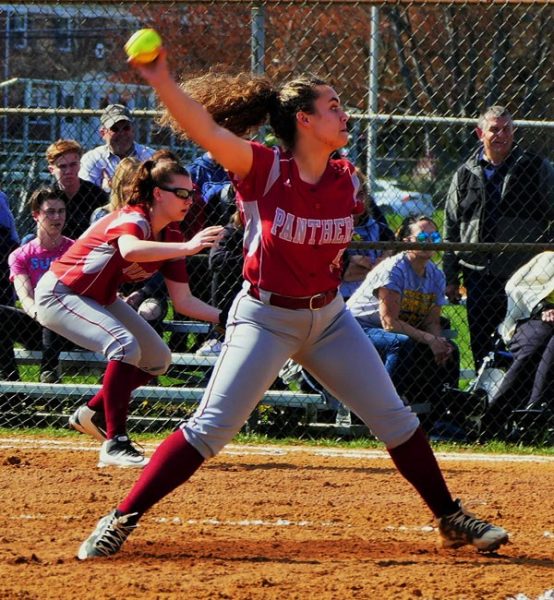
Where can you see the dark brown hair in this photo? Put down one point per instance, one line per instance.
(41, 195)
(242, 103)
(405, 228)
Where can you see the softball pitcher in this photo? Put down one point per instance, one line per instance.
(297, 205)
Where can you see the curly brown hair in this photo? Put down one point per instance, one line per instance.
(242, 103)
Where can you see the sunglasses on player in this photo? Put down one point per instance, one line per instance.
(434, 237)
(183, 193)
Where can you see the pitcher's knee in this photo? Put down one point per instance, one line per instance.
(394, 427)
(209, 441)
(160, 364)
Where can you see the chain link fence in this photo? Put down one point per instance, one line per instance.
(414, 77)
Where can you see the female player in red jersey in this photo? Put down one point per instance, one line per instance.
(78, 299)
(297, 205)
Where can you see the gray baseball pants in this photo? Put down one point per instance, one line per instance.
(328, 342)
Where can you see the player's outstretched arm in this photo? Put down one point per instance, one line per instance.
(228, 149)
(135, 250)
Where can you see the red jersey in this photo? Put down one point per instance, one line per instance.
(94, 267)
(295, 232)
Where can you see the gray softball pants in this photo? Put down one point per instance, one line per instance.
(328, 342)
(116, 330)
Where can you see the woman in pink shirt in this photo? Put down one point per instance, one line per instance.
(28, 264)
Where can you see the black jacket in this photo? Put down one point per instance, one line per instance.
(525, 213)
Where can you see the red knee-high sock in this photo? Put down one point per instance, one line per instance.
(416, 462)
(120, 379)
(173, 463)
(97, 401)
(139, 377)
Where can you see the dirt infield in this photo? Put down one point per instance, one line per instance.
(270, 522)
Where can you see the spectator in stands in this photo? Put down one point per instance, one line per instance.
(358, 262)
(500, 194)
(78, 297)
(148, 299)
(28, 263)
(81, 197)
(399, 307)
(225, 262)
(215, 189)
(528, 331)
(9, 240)
(118, 132)
(120, 187)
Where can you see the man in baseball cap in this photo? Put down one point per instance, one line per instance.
(118, 132)
(115, 113)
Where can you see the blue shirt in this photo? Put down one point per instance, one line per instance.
(208, 176)
(369, 231)
(98, 165)
(6, 218)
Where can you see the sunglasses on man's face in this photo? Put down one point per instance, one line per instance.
(183, 193)
(434, 237)
(118, 128)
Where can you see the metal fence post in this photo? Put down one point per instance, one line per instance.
(373, 98)
(257, 41)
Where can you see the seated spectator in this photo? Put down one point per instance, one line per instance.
(215, 189)
(225, 262)
(28, 264)
(118, 132)
(148, 298)
(359, 262)
(214, 206)
(399, 307)
(81, 197)
(120, 185)
(528, 332)
(8, 241)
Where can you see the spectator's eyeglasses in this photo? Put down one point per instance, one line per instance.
(183, 193)
(52, 212)
(118, 128)
(434, 237)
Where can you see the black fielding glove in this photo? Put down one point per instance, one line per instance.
(223, 316)
(220, 327)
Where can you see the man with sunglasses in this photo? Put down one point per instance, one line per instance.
(118, 132)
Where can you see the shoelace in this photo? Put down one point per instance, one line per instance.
(468, 524)
(113, 537)
(128, 449)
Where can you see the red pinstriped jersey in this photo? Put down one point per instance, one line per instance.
(295, 232)
(94, 267)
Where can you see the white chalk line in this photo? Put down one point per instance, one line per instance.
(77, 445)
(213, 522)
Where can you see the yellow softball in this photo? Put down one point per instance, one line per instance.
(144, 46)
